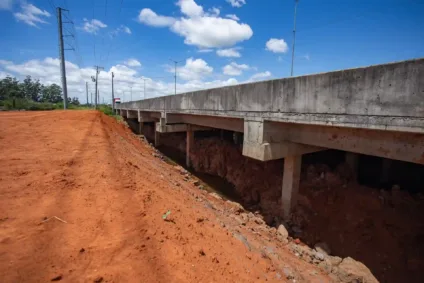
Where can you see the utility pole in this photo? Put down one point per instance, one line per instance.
(113, 96)
(91, 98)
(86, 91)
(294, 36)
(95, 81)
(131, 92)
(62, 58)
(144, 86)
(175, 74)
(98, 96)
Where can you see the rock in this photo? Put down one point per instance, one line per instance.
(82, 250)
(98, 279)
(335, 260)
(235, 207)
(259, 221)
(240, 220)
(201, 187)
(319, 256)
(352, 271)
(57, 278)
(322, 247)
(215, 195)
(196, 183)
(297, 241)
(325, 265)
(283, 231)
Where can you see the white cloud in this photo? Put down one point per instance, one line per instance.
(148, 17)
(31, 15)
(233, 17)
(306, 57)
(204, 30)
(260, 76)
(237, 3)
(194, 69)
(277, 45)
(190, 8)
(122, 28)
(126, 79)
(93, 26)
(234, 69)
(132, 62)
(211, 32)
(205, 50)
(6, 4)
(230, 52)
(214, 12)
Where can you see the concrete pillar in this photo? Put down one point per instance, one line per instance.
(291, 179)
(189, 145)
(157, 138)
(352, 160)
(385, 171)
(140, 128)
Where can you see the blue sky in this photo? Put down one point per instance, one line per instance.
(136, 38)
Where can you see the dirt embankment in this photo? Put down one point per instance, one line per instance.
(82, 199)
(383, 229)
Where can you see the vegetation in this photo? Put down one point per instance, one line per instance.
(32, 95)
(106, 109)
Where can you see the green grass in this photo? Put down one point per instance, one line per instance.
(106, 109)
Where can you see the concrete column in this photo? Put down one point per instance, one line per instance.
(291, 179)
(385, 171)
(140, 128)
(189, 145)
(352, 160)
(157, 138)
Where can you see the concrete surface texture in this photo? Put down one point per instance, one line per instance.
(377, 110)
(388, 97)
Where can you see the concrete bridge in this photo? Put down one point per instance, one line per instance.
(377, 110)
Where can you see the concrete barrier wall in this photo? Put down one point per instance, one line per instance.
(395, 89)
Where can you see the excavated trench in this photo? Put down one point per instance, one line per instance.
(377, 219)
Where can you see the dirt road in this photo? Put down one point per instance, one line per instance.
(107, 185)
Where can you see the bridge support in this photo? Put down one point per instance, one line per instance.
(264, 141)
(291, 180)
(157, 138)
(189, 145)
(140, 128)
(352, 160)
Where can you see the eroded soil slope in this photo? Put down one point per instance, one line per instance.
(83, 200)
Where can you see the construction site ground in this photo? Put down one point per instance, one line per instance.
(83, 199)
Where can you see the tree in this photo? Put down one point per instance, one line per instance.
(31, 89)
(52, 93)
(9, 89)
(75, 101)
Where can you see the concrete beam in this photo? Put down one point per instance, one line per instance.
(393, 145)
(178, 128)
(262, 143)
(217, 122)
(132, 114)
(145, 117)
(291, 180)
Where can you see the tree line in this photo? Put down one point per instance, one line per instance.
(31, 95)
